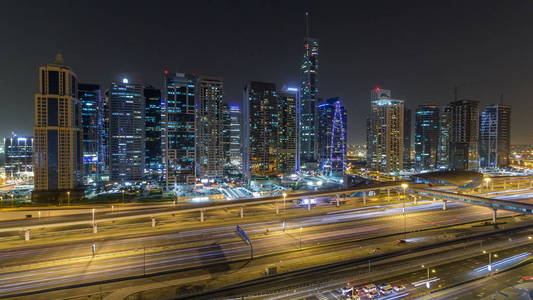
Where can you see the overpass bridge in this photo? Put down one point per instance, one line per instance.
(494, 204)
(200, 208)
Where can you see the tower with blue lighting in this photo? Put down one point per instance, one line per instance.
(92, 121)
(332, 136)
(153, 166)
(126, 131)
(427, 130)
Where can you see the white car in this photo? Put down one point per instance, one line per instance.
(399, 288)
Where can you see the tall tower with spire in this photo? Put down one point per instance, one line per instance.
(58, 152)
(307, 117)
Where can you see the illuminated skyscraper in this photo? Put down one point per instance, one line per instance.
(57, 135)
(332, 136)
(407, 137)
(287, 132)
(307, 117)
(385, 149)
(18, 151)
(426, 137)
(209, 128)
(495, 136)
(464, 135)
(235, 148)
(153, 166)
(92, 119)
(226, 136)
(126, 131)
(260, 120)
(444, 138)
(179, 151)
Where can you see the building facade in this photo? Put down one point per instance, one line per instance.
(153, 162)
(386, 132)
(126, 131)
(260, 120)
(407, 137)
(92, 119)
(464, 135)
(307, 118)
(178, 120)
(332, 136)
(495, 136)
(443, 152)
(235, 147)
(18, 151)
(57, 135)
(427, 130)
(287, 131)
(209, 128)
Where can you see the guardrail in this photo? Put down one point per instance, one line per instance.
(93, 222)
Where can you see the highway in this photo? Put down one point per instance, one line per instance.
(68, 264)
(447, 267)
(182, 245)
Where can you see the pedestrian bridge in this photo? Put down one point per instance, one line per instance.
(514, 206)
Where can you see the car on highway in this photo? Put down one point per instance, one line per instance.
(373, 294)
(385, 289)
(399, 288)
(370, 288)
(307, 201)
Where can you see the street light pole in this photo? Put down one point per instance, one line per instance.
(68, 198)
(284, 208)
(404, 187)
(300, 237)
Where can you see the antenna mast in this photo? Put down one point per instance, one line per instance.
(307, 24)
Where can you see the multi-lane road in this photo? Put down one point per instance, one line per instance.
(299, 239)
(69, 264)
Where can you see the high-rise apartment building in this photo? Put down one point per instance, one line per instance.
(307, 117)
(126, 131)
(464, 135)
(427, 130)
(178, 120)
(287, 130)
(18, 151)
(153, 165)
(443, 151)
(332, 136)
(260, 134)
(92, 120)
(407, 137)
(385, 131)
(495, 136)
(57, 135)
(235, 147)
(209, 128)
(226, 137)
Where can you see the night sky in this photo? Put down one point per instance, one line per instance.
(418, 49)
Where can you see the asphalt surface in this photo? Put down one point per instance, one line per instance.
(204, 247)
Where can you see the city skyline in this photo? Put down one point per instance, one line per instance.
(489, 71)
